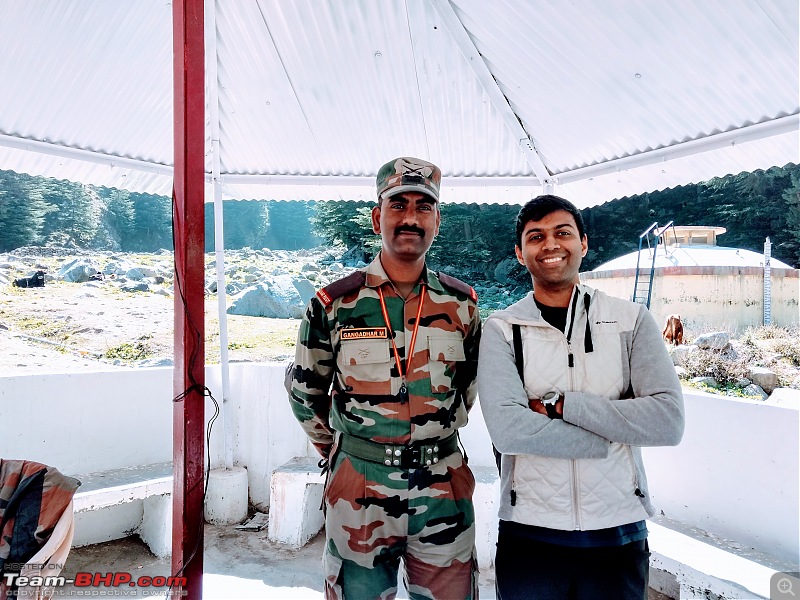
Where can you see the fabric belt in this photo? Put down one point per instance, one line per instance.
(406, 456)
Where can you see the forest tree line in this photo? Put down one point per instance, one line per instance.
(472, 239)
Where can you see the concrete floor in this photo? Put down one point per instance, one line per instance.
(237, 565)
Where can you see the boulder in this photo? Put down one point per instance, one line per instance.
(709, 381)
(139, 272)
(754, 390)
(135, 287)
(233, 288)
(276, 298)
(305, 288)
(77, 271)
(116, 268)
(680, 354)
(766, 379)
(716, 340)
(154, 362)
(504, 269)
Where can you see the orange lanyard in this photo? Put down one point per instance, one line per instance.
(410, 352)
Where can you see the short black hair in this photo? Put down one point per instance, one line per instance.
(541, 206)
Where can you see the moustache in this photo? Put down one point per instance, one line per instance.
(410, 229)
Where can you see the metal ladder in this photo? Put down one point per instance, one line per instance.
(643, 281)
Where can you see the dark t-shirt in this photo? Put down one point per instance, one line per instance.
(610, 536)
(555, 315)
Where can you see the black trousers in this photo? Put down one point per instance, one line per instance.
(526, 569)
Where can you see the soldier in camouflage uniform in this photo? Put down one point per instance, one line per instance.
(398, 486)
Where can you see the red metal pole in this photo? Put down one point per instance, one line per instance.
(189, 374)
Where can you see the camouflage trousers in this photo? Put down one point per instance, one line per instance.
(377, 515)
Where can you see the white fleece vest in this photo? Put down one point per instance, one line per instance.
(577, 494)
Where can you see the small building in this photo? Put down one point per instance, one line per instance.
(709, 286)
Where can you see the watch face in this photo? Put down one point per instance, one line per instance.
(551, 396)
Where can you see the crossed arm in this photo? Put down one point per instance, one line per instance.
(519, 425)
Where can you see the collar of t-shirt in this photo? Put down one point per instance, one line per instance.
(555, 315)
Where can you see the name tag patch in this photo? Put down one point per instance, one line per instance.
(365, 333)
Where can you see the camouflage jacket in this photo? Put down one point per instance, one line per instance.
(345, 375)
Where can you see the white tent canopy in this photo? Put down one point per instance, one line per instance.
(306, 98)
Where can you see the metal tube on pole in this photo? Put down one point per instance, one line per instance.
(219, 237)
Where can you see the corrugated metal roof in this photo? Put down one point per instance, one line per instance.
(615, 98)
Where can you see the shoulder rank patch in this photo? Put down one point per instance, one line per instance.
(364, 333)
(458, 285)
(342, 287)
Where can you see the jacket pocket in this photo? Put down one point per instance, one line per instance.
(365, 361)
(445, 352)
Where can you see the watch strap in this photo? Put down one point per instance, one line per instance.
(551, 409)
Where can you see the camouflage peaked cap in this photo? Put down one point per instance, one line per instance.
(407, 174)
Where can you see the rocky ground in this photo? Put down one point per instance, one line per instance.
(125, 319)
(754, 365)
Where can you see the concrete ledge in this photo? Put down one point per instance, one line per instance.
(705, 566)
(295, 495)
(114, 504)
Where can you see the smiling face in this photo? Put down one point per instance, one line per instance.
(552, 250)
(407, 223)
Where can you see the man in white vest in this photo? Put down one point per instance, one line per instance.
(572, 384)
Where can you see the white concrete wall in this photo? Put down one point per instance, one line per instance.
(86, 422)
(735, 474)
(727, 298)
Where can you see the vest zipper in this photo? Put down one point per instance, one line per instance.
(576, 500)
(576, 497)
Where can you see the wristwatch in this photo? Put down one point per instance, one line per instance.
(549, 400)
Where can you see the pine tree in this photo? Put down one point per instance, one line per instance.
(790, 246)
(116, 218)
(152, 228)
(22, 211)
(76, 217)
